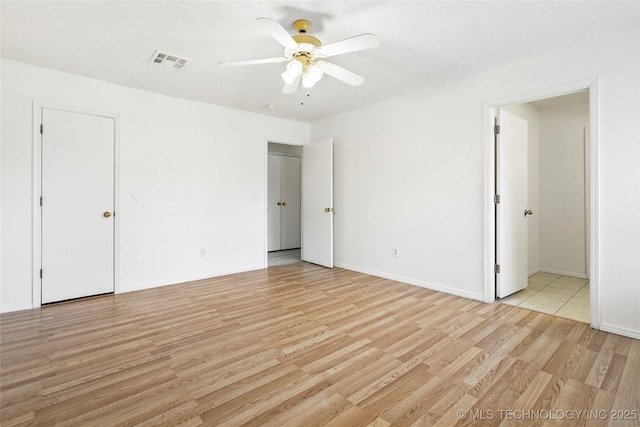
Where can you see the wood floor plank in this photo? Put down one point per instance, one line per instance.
(301, 345)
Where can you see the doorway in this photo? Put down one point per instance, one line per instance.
(283, 203)
(316, 200)
(74, 226)
(558, 186)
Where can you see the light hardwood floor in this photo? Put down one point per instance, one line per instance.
(301, 345)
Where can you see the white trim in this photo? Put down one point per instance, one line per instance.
(414, 282)
(489, 207)
(116, 204)
(186, 279)
(562, 273)
(36, 217)
(532, 272)
(594, 216)
(36, 173)
(489, 255)
(626, 332)
(551, 92)
(19, 307)
(265, 207)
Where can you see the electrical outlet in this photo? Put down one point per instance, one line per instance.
(396, 252)
(203, 252)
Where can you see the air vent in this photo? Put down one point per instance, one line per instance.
(168, 60)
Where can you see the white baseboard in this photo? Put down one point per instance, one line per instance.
(178, 280)
(626, 332)
(562, 273)
(409, 281)
(150, 285)
(532, 272)
(10, 308)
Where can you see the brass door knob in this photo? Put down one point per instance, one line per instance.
(328, 209)
(106, 214)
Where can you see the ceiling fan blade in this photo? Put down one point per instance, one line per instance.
(361, 42)
(341, 73)
(278, 32)
(293, 87)
(254, 62)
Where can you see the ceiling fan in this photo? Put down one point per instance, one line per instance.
(306, 55)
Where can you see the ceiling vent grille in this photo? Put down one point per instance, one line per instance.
(168, 60)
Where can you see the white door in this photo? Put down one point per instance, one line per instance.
(290, 206)
(317, 203)
(511, 182)
(283, 211)
(274, 192)
(77, 205)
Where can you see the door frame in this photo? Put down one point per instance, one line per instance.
(36, 187)
(266, 193)
(490, 107)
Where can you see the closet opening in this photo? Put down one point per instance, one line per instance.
(284, 204)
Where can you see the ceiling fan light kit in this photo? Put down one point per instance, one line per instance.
(305, 55)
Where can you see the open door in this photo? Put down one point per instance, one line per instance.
(511, 208)
(317, 203)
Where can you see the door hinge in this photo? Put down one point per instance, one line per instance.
(496, 268)
(496, 199)
(496, 129)
(40, 200)
(41, 129)
(41, 273)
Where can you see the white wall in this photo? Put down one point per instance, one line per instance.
(199, 170)
(562, 189)
(619, 197)
(530, 114)
(410, 172)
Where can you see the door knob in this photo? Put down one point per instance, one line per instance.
(279, 203)
(328, 209)
(284, 203)
(528, 212)
(106, 214)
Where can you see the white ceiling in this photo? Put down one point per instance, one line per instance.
(423, 44)
(580, 96)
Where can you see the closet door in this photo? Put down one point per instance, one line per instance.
(290, 202)
(273, 203)
(78, 229)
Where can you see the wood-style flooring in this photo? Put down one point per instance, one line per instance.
(300, 345)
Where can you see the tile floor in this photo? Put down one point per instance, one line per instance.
(562, 296)
(284, 257)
